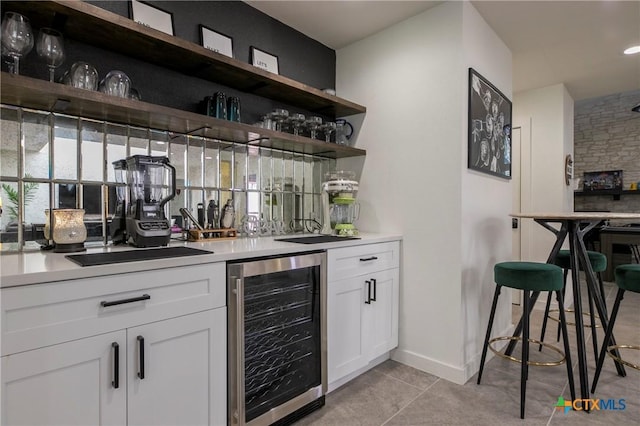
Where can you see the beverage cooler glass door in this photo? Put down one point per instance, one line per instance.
(277, 338)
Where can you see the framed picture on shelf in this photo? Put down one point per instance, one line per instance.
(151, 16)
(607, 180)
(489, 141)
(264, 60)
(216, 41)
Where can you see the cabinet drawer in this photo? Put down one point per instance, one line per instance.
(49, 313)
(357, 260)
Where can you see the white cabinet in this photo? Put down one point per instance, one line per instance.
(138, 349)
(65, 384)
(362, 306)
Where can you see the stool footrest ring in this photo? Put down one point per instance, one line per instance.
(620, 360)
(534, 363)
(586, 314)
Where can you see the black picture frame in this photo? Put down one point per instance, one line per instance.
(228, 39)
(490, 127)
(148, 22)
(258, 54)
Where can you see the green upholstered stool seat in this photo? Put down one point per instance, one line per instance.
(598, 260)
(628, 277)
(532, 276)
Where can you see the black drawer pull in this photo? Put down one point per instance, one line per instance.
(116, 365)
(104, 303)
(141, 357)
(366, 259)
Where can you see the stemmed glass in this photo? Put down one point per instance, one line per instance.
(296, 120)
(328, 128)
(50, 47)
(312, 124)
(17, 38)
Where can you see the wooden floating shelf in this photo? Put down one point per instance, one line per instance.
(96, 26)
(608, 193)
(54, 97)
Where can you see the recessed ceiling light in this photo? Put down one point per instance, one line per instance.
(632, 50)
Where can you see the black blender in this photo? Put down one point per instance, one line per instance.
(118, 227)
(151, 182)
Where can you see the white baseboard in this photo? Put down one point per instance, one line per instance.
(452, 373)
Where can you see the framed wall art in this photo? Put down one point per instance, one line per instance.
(264, 60)
(151, 16)
(216, 41)
(489, 143)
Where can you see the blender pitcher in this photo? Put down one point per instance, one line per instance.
(152, 183)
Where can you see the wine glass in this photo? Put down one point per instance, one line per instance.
(328, 128)
(50, 47)
(17, 38)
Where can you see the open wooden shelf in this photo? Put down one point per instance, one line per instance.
(93, 25)
(606, 192)
(54, 97)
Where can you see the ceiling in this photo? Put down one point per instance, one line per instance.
(578, 43)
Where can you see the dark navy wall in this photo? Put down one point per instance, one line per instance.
(299, 57)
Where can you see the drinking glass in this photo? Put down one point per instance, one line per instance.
(50, 47)
(117, 83)
(17, 38)
(83, 76)
(328, 128)
(312, 124)
(295, 120)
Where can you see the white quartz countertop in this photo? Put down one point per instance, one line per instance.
(45, 266)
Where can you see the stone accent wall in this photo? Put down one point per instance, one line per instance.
(607, 137)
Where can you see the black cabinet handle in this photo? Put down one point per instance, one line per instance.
(368, 301)
(104, 303)
(116, 365)
(141, 357)
(366, 259)
(375, 289)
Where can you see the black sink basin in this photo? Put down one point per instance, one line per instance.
(316, 239)
(94, 259)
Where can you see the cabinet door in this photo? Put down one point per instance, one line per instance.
(177, 371)
(66, 384)
(380, 333)
(346, 352)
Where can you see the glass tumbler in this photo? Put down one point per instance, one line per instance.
(83, 76)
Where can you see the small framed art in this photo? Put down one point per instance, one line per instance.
(264, 60)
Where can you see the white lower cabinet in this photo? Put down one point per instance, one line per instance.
(182, 382)
(362, 311)
(164, 367)
(65, 384)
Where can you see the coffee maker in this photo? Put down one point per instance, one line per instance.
(151, 183)
(339, 209)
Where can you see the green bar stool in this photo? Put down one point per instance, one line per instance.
(529, 277)
(598, 264)
(627, 279)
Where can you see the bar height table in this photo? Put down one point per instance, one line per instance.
(575, 226)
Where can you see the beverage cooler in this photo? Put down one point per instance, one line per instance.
(277, 338)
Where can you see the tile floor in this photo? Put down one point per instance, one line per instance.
(395, 394)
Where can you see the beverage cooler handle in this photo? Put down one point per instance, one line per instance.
(240, 378)
(368, 301)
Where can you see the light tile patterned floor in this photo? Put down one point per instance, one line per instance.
(395, 394)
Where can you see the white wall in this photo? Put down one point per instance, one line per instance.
(413, 79)
(486, 202)
(546, 115)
